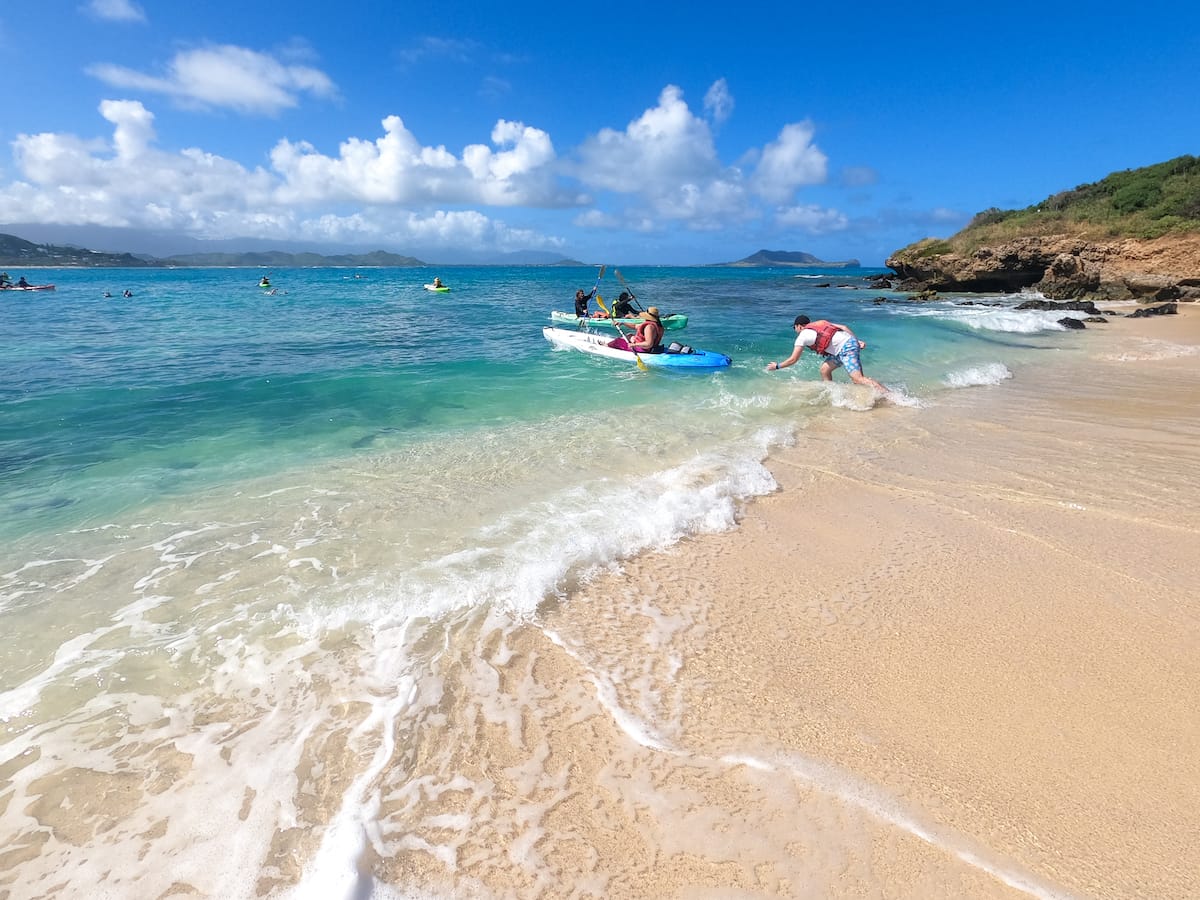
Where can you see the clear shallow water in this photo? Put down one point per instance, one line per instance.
(245, 535)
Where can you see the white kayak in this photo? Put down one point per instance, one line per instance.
(598, 345)
(438, 288)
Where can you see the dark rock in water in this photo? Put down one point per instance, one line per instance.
(1069, 323)
(1086, 306)
(1164, 309)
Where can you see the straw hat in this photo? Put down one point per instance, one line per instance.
(650, 312)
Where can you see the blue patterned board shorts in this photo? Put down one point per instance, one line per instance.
(847, 356)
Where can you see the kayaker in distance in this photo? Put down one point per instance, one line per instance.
(266, 282)
(5, 281)
(437, 282)
(647, 337)
(581, 302)
(21, 282)
(836, 343)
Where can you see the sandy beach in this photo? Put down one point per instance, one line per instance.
(957, 653)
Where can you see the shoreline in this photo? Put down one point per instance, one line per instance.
(1012, 651)
(956, 653)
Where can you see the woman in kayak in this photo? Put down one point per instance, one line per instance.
(647, 337)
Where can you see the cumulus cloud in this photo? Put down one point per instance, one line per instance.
(792, 160)
(224, 77)
(396, 168)
(661, 171)
(662, 149)
(128, 182)
(666, 157)
(718, 102)
(116, 10)
(396, 182)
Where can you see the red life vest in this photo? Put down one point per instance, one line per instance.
(825, 332)
(641, 332)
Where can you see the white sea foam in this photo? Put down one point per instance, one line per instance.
(1148, 350)
(974, 376)
(1004, 319)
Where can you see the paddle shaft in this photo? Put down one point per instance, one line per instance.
(636, 356)
(598, 277)
(628, 289)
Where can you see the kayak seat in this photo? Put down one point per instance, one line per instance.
(676, 347)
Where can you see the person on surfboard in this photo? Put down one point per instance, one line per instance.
(837, 345)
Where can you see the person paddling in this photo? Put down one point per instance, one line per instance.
(836, 343)
(647, 337)
(581, 302)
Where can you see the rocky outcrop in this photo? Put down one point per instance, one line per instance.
(1061, 267)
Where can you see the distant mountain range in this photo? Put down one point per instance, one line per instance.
(16, 252)
(789, 258)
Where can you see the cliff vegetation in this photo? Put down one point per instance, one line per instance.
(1132, 235)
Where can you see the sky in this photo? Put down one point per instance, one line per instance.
(615, 132)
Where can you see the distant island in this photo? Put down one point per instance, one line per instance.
(1134, 235)
(788, 258)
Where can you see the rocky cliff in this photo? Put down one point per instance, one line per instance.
(1063, 267)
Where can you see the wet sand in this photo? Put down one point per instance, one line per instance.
(956, 654)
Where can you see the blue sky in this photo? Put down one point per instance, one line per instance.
(627, 133)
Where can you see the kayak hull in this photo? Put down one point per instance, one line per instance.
(671, 322)
(597, 345)
(437, 290)
(31, 287)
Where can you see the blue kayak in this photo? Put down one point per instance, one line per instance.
(598, 345)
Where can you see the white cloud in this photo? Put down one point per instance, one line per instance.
(666, 157)
(812, 219)
(225, 76)
(662, 149)
(116, 10)
(129, 182)
(789, 162)
(718, 101)
(396, 168)
(661, 171)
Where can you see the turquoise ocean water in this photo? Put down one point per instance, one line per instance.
(239, 531)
